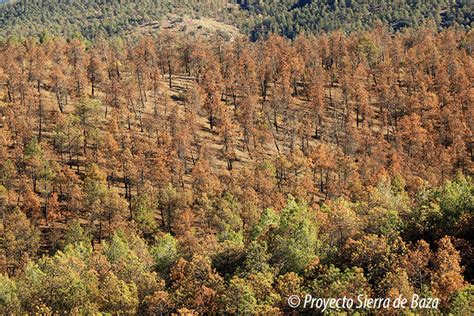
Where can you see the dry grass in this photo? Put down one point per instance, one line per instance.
(202, 27)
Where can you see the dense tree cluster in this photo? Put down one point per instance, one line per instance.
(93, 18)
(180, 175)
(257, 18)
(290, 17)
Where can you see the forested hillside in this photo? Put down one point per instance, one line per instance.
(290, 17)
(93, 18)
(175, 174)
(221, 156)
(256, 18)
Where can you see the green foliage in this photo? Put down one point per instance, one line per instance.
(143, 210)
(9, 296)
(290, 17)
(165, 253)
(294, 242)
(87, 111)
(68, 281)
(227, 218)
(258, 18)
(462, 302)
(7, 172)
(63, 282)
(36, 163)
(268, 221)
(88, 116)
(257, 258)
(131, 262)
(230, 255)
(381, 221)
(332, 282)
(116, 249)
(32, 149)
(455, 198)
(443, 210)
(368, 49)
(240, 298)
(94, 187)
(391, 195)
(21, 240)
(117, 296)
(170, 202)
(91, 19)
(76, 234)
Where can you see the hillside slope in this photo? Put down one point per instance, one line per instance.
(291, 17)
(194, 175)
(94, 18)
(256, 18)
